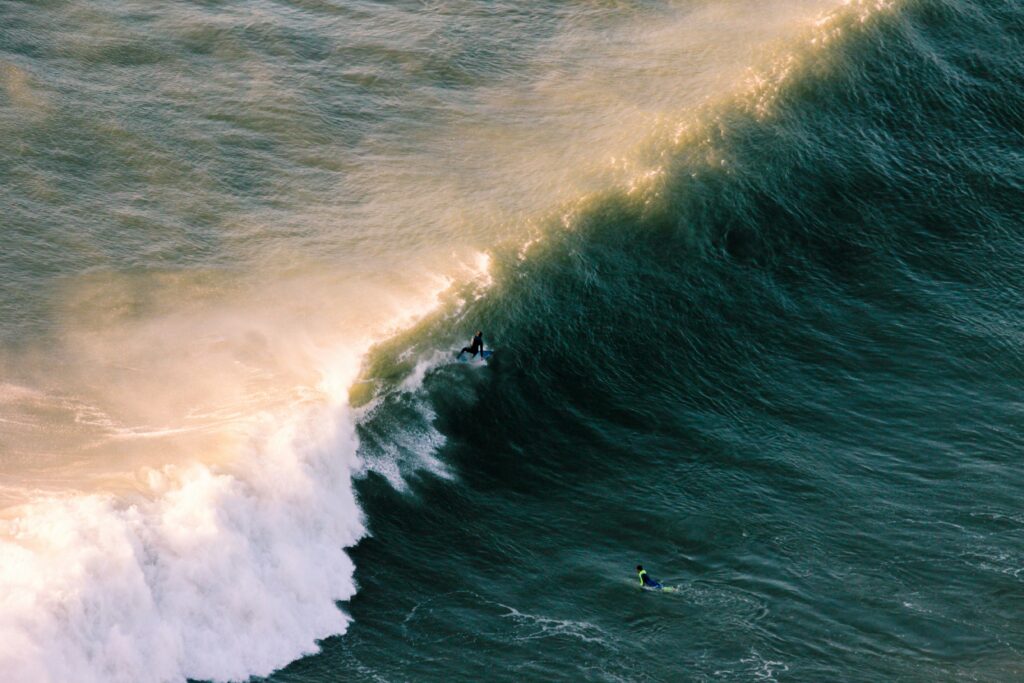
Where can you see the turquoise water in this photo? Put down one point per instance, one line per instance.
(751, 278)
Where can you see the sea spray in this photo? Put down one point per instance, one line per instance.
(207, 574)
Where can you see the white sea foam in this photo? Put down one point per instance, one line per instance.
(412, 446)
(210, 574)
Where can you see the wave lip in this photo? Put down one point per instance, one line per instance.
(211, 575)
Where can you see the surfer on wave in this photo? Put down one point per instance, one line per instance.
(475, 346)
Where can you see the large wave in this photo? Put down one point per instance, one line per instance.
(226, 571)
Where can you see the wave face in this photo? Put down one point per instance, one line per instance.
(752, 280)
(779, 369)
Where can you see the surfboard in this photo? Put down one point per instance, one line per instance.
(660, 589)
(484, 355)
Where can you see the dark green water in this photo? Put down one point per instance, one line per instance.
(782, 372)
(789, 386)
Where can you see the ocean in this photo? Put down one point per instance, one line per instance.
(752, 274)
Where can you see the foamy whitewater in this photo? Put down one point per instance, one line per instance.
(204, 574)
(748, 271)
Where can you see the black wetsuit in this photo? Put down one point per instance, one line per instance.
(476, 346)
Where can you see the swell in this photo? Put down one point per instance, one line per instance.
(793, 339)
(815, 214)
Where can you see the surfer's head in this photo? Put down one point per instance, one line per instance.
(479, 332)
(639, 567)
